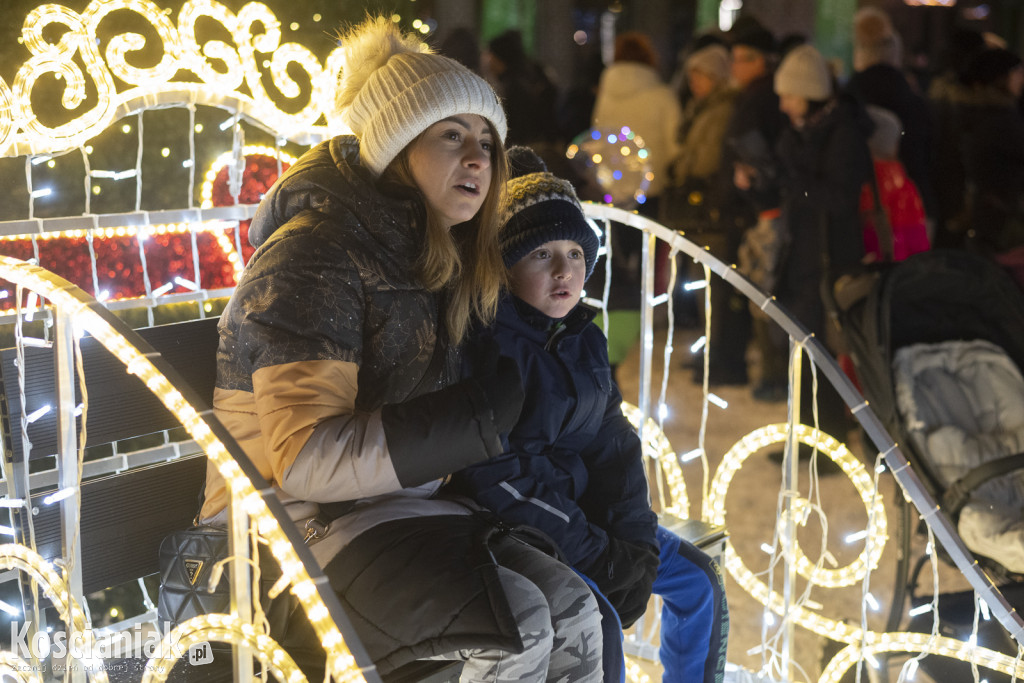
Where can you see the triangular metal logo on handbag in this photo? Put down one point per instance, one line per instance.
(193, 567)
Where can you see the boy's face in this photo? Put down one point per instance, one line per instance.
(550, 278)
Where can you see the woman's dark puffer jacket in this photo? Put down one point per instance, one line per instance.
(335, 376)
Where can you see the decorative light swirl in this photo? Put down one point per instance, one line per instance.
(17, 556)
(918, 643)
(87, 316)
(206, 190)
(226, 629)
(852, 468)
(656, 445)
(230, 75)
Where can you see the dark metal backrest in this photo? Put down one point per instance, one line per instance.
(124, 516)
(120, 405)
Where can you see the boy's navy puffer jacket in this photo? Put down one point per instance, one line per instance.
(573, 465)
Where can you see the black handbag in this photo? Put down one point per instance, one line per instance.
(187, 561)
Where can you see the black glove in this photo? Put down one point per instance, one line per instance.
(631, 603)
(620, 566)
(499, 379)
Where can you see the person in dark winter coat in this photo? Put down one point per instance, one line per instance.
(573, 466)
(878, 80)
(992, 142)
(339, 373)
(825, 162)
(748, 148)
(947, 94)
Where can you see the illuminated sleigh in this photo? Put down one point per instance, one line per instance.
(105, 94)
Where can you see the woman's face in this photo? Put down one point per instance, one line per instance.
(795, 108)
(701, 84)
(550, 278)
(748, 65)
(451, 166)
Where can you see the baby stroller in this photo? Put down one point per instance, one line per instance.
(938, 343)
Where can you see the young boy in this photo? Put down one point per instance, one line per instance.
(573, 465)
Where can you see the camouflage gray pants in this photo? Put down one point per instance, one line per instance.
(558, 619)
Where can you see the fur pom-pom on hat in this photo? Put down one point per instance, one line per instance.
(540, 207)
(391, 90)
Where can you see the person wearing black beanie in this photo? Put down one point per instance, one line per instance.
(573, 466)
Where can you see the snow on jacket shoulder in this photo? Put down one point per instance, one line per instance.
(573, 468)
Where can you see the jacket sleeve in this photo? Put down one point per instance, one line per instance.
(617, 496)
(508, 488)
(302, 326)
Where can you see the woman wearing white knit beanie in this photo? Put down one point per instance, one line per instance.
(339, 374)
(825, 162)
(803, 78)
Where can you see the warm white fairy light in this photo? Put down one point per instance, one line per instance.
(920, 609)
(213, 228)
(80, 307)
(227, 72)
(60, 495)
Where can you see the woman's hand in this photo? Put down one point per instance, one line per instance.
(743, 175)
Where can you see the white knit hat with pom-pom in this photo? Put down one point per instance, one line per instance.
(391, 90)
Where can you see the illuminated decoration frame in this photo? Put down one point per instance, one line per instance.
(215, 228)
(860, 643)
(22, 133)
(298, 567)
(206, 190)
(240, 88)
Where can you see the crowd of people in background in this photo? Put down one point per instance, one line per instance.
(765, 152)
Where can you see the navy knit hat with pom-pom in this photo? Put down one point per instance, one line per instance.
(539, 208)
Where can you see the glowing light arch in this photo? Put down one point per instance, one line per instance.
(16, 556)
(860, 642)
(260, 504)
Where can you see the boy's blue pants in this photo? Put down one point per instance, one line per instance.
(694, 616)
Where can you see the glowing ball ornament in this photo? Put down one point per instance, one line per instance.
(616, 161)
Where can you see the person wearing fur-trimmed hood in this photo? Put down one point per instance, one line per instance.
(338, 372)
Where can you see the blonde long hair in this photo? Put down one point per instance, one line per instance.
(466, 259)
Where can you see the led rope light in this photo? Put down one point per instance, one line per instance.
(221, 628)
(17, 668)
(206, 190)
(67, 297)
(22, 558)
(657, 446)
(851, 466)
(22, 132)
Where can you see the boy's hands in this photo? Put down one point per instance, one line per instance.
(631, 601)
(625, 573)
